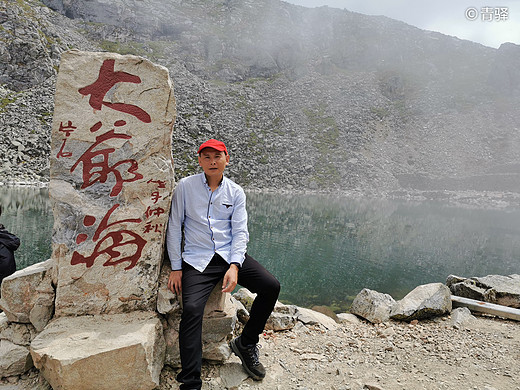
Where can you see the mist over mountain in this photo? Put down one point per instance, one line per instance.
(318, 99)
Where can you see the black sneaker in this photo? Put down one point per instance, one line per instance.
(249, 357)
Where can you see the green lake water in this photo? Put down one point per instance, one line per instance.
(325, 249)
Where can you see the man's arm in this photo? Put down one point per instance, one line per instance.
(174, 238)
(239, 232)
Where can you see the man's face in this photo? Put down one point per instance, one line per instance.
(213, 162)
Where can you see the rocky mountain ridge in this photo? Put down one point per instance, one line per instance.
(311, 99)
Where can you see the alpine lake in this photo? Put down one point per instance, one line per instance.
(325, 249)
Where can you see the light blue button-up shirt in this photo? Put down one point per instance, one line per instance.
(213, 222)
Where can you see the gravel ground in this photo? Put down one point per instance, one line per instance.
(430, 355)
(483, 355)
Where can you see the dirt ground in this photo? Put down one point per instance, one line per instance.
(431, 355)
(483, 355)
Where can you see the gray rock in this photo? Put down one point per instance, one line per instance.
(280, 321)
(14, 359)
(167, 301)
(461, 317)
(348, 318)
(326, 310)
(311, 317)
(372, 306)
(232, 375)
(20, 334)
(426, 301)
(497, 289)
(245, 297)
(118, 351)
(28, 295)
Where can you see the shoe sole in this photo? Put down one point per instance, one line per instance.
(236, 351)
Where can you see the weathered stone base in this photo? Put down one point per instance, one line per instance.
(28, 295)
(119, 351)
(14, 359)
(219, 323)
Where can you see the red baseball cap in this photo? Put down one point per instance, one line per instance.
(213, 143)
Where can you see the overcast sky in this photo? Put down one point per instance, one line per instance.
(474, 20)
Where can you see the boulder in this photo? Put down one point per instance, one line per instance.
(283, 317)
(423, 302)
(218, 304)
(325, 310)
(116, 351)
(28, 295)
(311, 317)
(111, 180)
(372, 306)
(245, 297)
(14, 359)
(497, 289)
(461, 317)
(348, 318)
(167, 301)
(20, 334)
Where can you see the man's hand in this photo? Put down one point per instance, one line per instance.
(175, 282)
(230, 279)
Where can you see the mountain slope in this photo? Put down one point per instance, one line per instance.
(320, 99)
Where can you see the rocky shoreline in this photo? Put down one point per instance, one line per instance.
(431, 346)
(434, 354)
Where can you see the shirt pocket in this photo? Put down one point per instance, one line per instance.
(223, 210)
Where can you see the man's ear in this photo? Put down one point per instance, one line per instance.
(227, 159)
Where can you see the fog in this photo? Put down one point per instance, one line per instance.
(463, 19)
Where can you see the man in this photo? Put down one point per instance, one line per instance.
(207, 239)
(8, 244)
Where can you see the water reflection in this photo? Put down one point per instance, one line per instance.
(325, 250)
(27, 213)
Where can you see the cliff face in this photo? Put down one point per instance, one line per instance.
(306, 98)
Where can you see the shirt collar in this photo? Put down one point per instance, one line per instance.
(205, 180)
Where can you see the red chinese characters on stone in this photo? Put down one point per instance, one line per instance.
(106, 80)
(108, 244)
(160, 183)
(157, 212)
(96, 167)
(155, 196)
(149, 228)
(67, 129)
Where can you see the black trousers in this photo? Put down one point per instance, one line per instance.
(196, 289)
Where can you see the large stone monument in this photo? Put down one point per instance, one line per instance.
(111, 186)
(111, 181)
